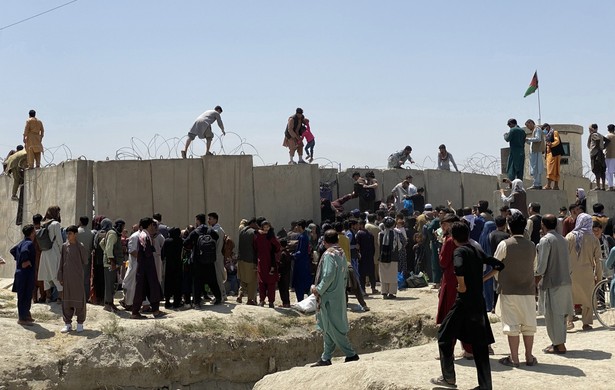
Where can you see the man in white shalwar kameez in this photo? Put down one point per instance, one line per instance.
(50, 259)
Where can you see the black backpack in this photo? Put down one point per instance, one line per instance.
(43, 239)
(205, 249)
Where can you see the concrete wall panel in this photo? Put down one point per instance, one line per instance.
(68, 185)
(178, 190)
(477, 187)
(607, 198)
(550, 201)
(123, 189)
(10, 233)
(229, 190)
(286, 192)
(443, 186)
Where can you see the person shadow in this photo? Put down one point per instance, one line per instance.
(40, 332)
(589, 354)
(545, 368)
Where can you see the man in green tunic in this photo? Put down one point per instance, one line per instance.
(330, 292)
(516, 158)
(14, 165)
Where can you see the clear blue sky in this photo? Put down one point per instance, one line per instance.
(371, 76)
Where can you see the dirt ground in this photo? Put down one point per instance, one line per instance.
(588, 364)
(230, 346)
(233, 346)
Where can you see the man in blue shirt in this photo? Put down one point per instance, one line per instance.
(25, 257)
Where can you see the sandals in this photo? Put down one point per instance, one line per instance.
(553, 349)
(506, 361)
(532, 363)
(440, 381)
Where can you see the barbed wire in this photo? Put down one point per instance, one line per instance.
(160, 147)
(479, 163)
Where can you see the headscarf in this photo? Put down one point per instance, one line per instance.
(581, 194)
(96, 222)
(484, 237)
(517, 186)
(105, 225)
(582, 227)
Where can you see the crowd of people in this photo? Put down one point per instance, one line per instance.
(547, 148)
(479, 262)
(483, 262)
(383, 244)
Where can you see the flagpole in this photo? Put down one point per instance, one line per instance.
(538, 90)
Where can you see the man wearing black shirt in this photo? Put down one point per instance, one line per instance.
(467, 320)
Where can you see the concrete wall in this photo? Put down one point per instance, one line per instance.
(477, 187)
(123, 189)
(178, 189)
(68, 185)
(229, 190)
(443, 186)
(287, 192)
(232, 187)
(10, 233)
(607, 198)
(550, 201)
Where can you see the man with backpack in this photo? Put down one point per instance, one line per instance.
(203, 243)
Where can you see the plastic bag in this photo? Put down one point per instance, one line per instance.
(306, 306)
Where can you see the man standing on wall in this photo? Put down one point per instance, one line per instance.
(516, 158)
(595, 143)
(610, 156)
(33, 139)
(202, 128)
(537, 148)
(292, 136)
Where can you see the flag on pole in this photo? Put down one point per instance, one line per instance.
(533, 85)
